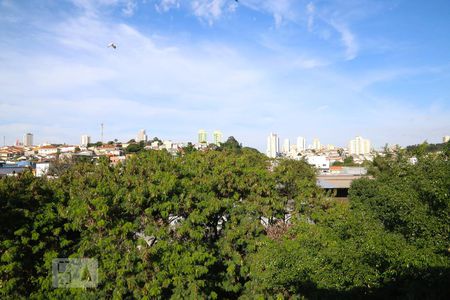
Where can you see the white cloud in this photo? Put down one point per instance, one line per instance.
(308, 63)
(130, 7)
(310, 10)
(79, 79)
(209, 10)
(322, 108)
(68, 81)
(94, 7)
(232, 7)
(347, 38)
(281, 10)
(166, 5)
(213, 10)
(7, 4)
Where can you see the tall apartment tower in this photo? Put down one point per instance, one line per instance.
(316, 144)
(217, 137)
(273, 144)
(286, 146)
(28, 139)
(141, 136)
(202, 137)
(85, 140)
(359, 146)
(301, 144)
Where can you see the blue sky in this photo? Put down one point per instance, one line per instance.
(325, 69)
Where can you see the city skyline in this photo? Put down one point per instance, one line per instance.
(334, 69)
(358, 145)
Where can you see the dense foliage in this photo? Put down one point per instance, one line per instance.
(425, 148)
(390, 240)
(228, 223)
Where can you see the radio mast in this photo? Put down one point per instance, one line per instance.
(102, 132)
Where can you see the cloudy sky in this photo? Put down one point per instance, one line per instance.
(325, 69)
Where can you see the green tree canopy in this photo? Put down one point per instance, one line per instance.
(228, 224)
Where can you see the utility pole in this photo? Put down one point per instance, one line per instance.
(4, 141)
(102, 132)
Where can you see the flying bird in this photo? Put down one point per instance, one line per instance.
(112, 45)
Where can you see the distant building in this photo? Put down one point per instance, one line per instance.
(202, 137)
(42, 169)
(67, 149)
(301, 144)
(47, 150)
(108, 150)
(413, 160)
(320, 162)
(85, 140)
(273, 144)
(340, 170)
(168, 144)
(116, 159)
(10, 152)
(28, 140)
(11, 170)
(359, 146)
(293, 149)
(446, 138)
(316, 144)
(286, 146)
(217, 137)
(141, 136)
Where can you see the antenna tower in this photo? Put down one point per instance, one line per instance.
(102, 132)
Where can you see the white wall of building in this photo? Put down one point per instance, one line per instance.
(217, 137)
(320, 162)
(85, 140)
(273, 143)
(202, 136)
(316, 144)
(65, 149)
(168, 144)
(286, 146)
(359, 146)
(42, 169)
(47, 151)
(28, 139)
(141, 136)
(301, 144)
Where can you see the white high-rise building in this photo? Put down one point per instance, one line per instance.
(286, 146)
(446, 138)
(294, 149)
(316, 144)
(301, 144)
(359, 146)
(85, 140)
(273, 144)
(28, 140)
(217, 137)
(202, 137)
(141, 136)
